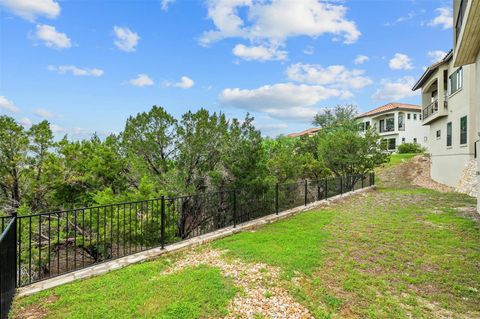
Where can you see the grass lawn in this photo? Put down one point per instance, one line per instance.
(394, 253)
(396, 159)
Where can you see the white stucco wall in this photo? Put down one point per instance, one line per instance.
(449, 162)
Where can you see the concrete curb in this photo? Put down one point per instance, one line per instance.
(108, 266)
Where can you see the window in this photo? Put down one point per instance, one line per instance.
(382, 126)
(403, 140)
(456, 80)
(463, 130)
(439, 133)
(367, 125)
(420, 117)
(449, 134)
(390, 124)
(391, 144)
(415, 140)
(401, 127)
(414, 116)
(408, 116)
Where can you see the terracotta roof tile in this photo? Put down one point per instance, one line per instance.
(390, 107)
(309, 131)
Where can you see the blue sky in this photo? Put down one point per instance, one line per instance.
(86, 66)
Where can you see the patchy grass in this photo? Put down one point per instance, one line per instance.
(138, 291)
(396, 159)
(293, 244)
(399, 252)
(395, 253)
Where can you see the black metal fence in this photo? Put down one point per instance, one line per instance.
(8, 265)
(55, 243)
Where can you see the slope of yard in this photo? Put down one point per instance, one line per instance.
(399, 252)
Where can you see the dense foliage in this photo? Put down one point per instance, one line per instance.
(157, 154)
(406, 148)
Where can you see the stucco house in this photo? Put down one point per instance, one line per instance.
(450, 103)
(397, 123)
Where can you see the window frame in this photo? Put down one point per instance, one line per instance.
(457, 78)
(449, 134)
(463, 130)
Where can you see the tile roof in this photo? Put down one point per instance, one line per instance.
(390, 107)
(309, 131)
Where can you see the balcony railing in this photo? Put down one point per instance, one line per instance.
(386, 129)
(432, 108)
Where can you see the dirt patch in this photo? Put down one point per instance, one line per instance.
(415, 171)
(36, 310)
(260, 296)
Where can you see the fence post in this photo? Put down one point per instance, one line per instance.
(341, 184)
(373, 178)
(306, 192)
(14, 216)
(276, 198)
(326, 188)
(363, 176)
(234, 208)
(162, 222)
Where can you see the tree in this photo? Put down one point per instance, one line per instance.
(150, 142)
(345, 152)
(13, 162)
(340, 116)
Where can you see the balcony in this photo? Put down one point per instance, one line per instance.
(386, 129)
(431, 111)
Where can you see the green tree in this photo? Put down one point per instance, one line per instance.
(14, 148)
(341, 116)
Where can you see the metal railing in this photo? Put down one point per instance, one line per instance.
(8, 265)
(54, 243)
(431, 109)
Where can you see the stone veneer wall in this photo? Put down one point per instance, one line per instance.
(468, 182)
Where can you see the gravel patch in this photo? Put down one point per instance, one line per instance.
(260, 297)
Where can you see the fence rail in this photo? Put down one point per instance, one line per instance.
(55, 243)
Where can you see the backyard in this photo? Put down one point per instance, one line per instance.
(398, 252)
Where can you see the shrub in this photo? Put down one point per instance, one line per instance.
(410, 148)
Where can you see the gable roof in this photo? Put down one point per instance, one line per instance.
(389, 107)
(309, 131)
(430, 70)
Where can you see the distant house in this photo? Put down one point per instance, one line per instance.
(397, 123)
(307, 132)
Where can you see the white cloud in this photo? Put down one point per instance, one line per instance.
(141, 80)
(51, 37)
(400, 62)
(76, 71)
(309, 50)
(185, 83)
(126, 40)
(8, 105)
(335, 76)
(260, 53)
(271, 127)
(395, 90)
(26, 122)
(409, 16)
(45, 114)
(436, 55)
(274, 22)
(31, 9)
(281, 100)
(360, 59)
(166, 3)
(444, 18)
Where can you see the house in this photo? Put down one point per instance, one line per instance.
(397, 123)
(466, 54)
(307, 132)
(450, 103)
